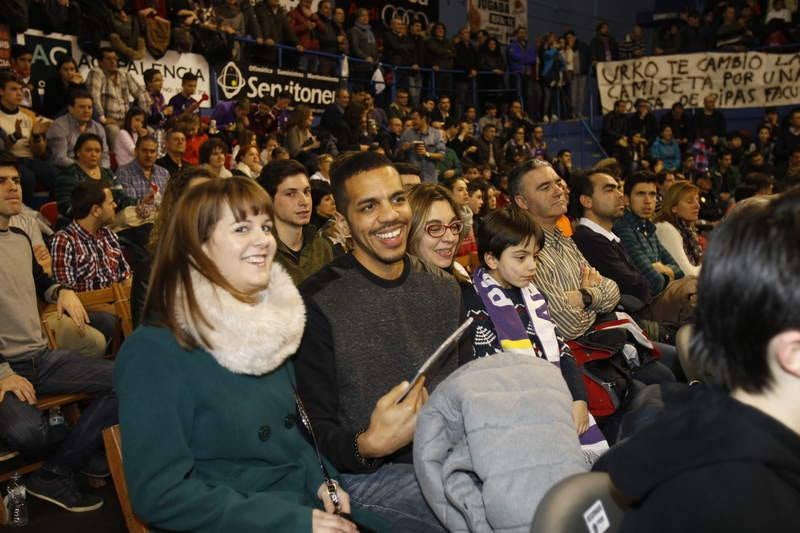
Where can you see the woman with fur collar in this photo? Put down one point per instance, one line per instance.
(207, 408)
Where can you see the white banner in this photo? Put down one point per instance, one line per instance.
(745, 79)
(498, 17)
(47, 48)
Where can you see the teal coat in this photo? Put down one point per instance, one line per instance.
(205, 449)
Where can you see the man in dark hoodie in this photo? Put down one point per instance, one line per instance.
(728, 458)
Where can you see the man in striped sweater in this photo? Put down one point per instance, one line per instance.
(575, 291)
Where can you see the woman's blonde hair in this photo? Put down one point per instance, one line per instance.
(180, 250)
(675, 194)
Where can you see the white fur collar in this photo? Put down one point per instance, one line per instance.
(248, 339)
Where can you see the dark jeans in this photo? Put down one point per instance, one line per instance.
(464, 95)
(134, 244)
(25, 428)
(103, 322)
(393, 493)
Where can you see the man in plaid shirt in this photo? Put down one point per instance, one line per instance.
(112, 91)
(142, 178)
(86, 254)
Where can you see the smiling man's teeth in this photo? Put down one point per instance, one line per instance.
(256, 259)
(391, 235)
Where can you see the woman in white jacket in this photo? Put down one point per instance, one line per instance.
(675, 226)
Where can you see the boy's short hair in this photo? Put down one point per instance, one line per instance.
(503, 228)
(188, 76)
(748, 278)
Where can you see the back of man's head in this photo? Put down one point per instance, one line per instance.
(409, 172)
(86, 195)
(748, 296)
(272, 175)
(580, 185)
(347, 166)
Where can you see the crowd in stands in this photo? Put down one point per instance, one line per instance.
(311, 266)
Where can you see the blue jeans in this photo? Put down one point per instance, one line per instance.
(393, 493)
(25, 428)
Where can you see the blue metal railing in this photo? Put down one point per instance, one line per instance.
(512, 82)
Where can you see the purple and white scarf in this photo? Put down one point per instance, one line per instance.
(514, 337)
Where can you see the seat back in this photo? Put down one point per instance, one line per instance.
(583, 503)
(115, 300)
(470, 261)
(113, 443)
(50, 212)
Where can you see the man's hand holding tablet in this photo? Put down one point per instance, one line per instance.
(392, 423)
(394, 419)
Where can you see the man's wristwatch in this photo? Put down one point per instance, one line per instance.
(586, 296)
(57, 292)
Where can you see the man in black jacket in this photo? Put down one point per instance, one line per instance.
(399, 50)
(642, 121)
(694, 37)
(678, 121)
(603, 47)
(596, 202)
(466, 62)
(333, 116)
(613, 134)
(729, 457)
(490, 150)
(709, 122)
(415, 79)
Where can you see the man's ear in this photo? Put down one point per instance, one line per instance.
(786, 347)
(627, 200)
(586, 201)
(521, 202)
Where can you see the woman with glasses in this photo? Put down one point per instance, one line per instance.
(207, 406)
(436, 228)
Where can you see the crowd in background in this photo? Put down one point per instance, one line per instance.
(114, 158)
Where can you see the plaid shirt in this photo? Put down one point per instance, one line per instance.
(703, 154)
(86, 262)
(638, 236)
(136, 185)
(112, 96)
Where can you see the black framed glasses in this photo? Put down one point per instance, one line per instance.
(437, 229)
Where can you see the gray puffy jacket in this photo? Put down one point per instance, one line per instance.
(492, 439)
